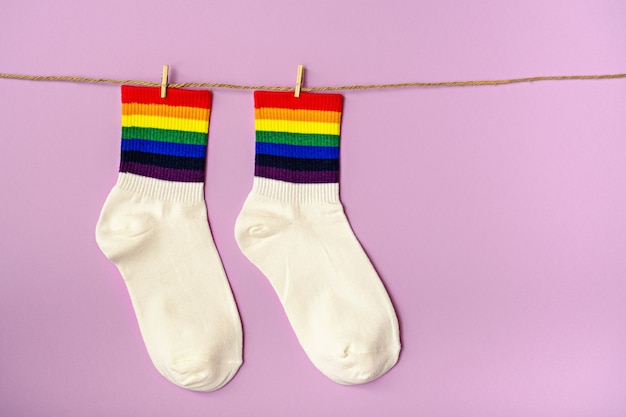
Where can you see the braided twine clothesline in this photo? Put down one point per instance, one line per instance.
(335, 88)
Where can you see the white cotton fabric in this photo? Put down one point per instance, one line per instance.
(300, 238)
(157, 234)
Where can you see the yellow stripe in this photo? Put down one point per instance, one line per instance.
(165, 110)
(319, 128)
(298, 114)
(159, 122)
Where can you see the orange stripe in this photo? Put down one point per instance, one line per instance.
(297, 115)
(163, 110)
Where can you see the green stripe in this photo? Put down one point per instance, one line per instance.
(302, 139)
(164, 135)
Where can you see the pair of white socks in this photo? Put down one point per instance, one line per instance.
(292, 226)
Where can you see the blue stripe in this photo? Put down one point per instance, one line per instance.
(164, 148)
(295, 151)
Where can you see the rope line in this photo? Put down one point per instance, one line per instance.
(336, 88)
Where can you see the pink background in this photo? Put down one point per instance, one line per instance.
(496, 216)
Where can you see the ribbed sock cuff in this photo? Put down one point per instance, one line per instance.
(165, 138)
(296, 193)
(297, 139)
(306, 101)
(181, 192)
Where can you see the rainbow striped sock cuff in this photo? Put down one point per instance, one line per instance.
(297, 139)
(165, 138)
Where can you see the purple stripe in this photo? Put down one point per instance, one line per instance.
(297, 176)
(168, 174)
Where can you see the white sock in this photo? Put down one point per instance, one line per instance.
(293, 228)
(154, 228)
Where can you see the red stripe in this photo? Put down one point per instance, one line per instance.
(175, 97)
(306, 101)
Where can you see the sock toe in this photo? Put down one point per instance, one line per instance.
(200, 375)
(352, 368)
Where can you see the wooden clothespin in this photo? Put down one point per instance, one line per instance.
(164, 77)
(299, 80)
